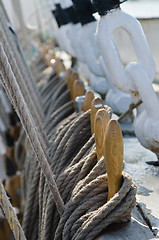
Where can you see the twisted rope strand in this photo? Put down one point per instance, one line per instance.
(29, 126)
(11, 215)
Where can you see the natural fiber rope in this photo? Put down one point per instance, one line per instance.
(93, 215)
(58, 116)
(79, 222)
(49, 90)
(65, 98)
(66, 182)
(21, 83)
(10, 215)
(28, 209)
(15, 96)
(47, 84)
(30, 200)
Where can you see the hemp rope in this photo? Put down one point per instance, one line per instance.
(21, 83)
(78, 233)
(20, 143)
(61, 113)
(36, 233)
(63, 96)
(31, 169)
(48, 89)
(66, 178)
(73, 229)
(19, 104)
(53, 214)
(99, 168)
(47, 224)
(63, 99)
(93, 214)
(47, 84)
(10, 215)
(28, 212)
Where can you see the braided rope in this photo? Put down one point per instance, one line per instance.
(21, 108)
(11, 215)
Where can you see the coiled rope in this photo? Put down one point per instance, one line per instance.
(20, 106)
(81, 180)
(20, 79)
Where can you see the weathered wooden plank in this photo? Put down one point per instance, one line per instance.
(136, 229)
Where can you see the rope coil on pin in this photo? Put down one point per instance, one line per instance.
(86, 190)
(86, 212)
(15, 96)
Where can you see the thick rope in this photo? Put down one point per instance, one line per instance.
(28, 209)
(10, 215)
(32, 193)
(22, 84)
(87, 192)
(64, 159)
(83, 191)
(87, 213)
(21, 108)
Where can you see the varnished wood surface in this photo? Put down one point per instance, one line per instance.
(97, 104)
(113, 153)
(101, 120)
(89, 96)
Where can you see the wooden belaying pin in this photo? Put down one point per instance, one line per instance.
(97, 104)
(68, 75)
(73, 77)
(89, 96)
(113, 153)
(100, 124)
(44, 52)
(78, 89)
(59, 66)
(51, 57)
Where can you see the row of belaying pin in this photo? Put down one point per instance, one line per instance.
(98, 121)
(92, 43)
(9, 133)
(12, 141)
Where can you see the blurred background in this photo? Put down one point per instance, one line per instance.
(35, 16)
